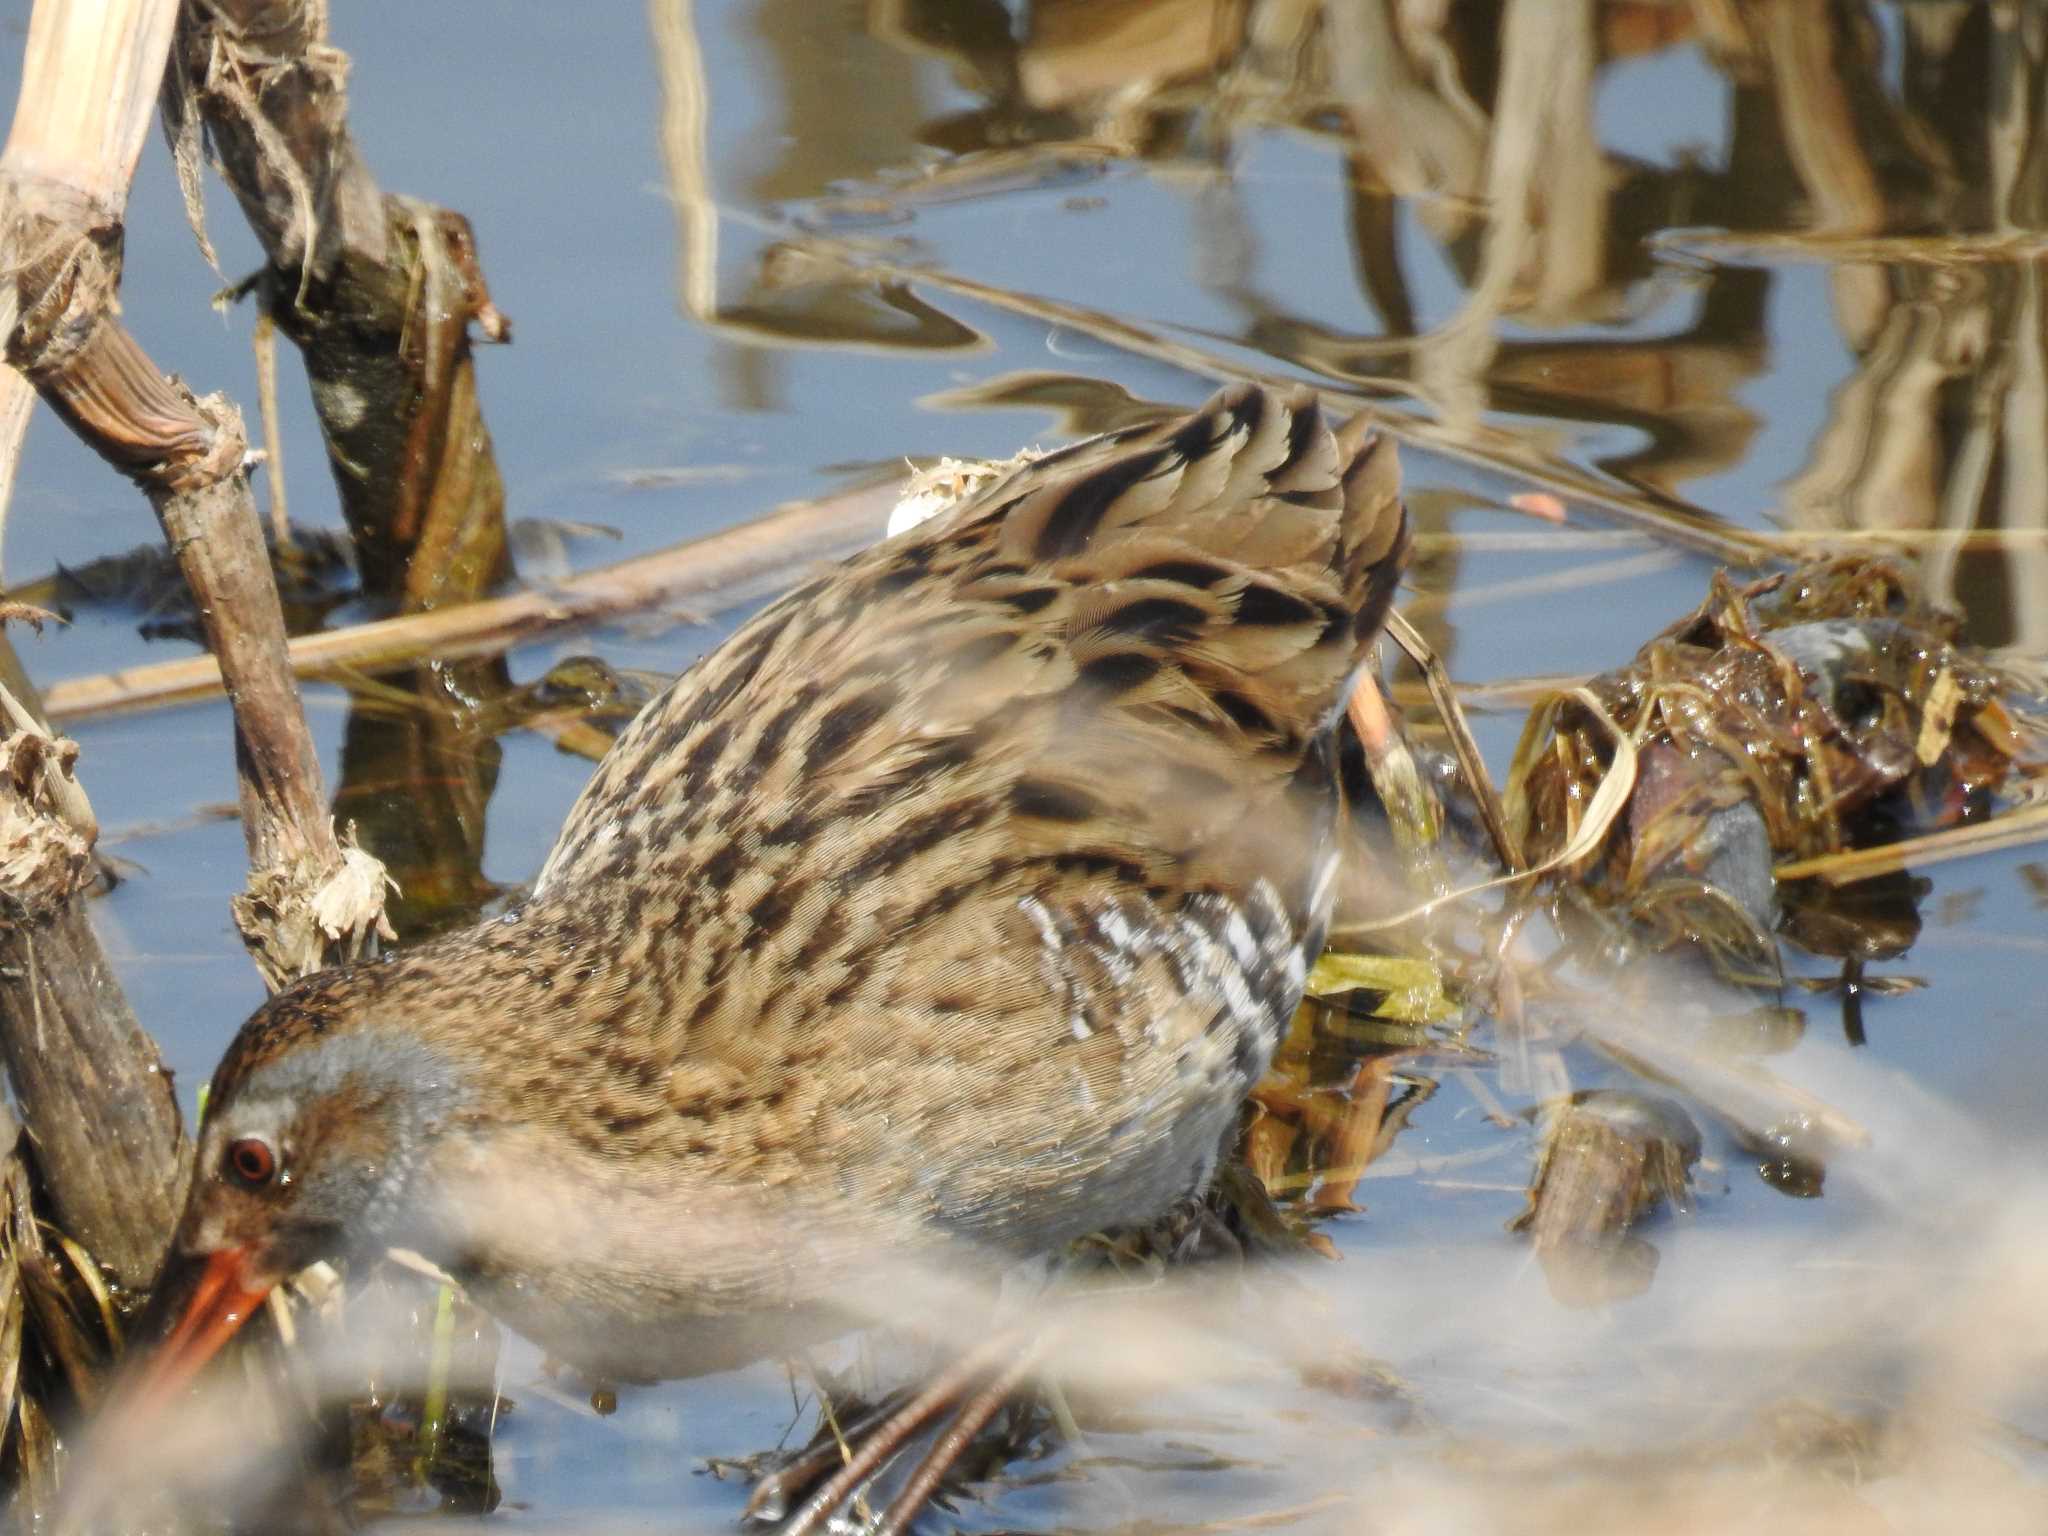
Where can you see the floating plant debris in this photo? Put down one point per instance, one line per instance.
(1815, 711)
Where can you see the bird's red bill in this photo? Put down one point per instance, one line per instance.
(222, 1299)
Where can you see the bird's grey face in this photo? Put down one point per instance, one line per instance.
(312, 1155)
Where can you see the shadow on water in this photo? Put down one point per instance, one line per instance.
(1738, 284)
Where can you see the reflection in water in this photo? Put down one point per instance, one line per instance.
(1471, 141)
(1078, 407)
(416, 776)
(1476, 130)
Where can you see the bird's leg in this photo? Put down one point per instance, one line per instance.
(972, 1418)
(774, 1491)
(1020, 1346)
(1207, 1230)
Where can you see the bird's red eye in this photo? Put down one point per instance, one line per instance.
(251, 1162)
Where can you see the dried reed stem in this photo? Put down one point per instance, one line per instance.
(97, 1103)
(379, 292)
(62, 241)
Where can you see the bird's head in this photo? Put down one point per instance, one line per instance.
(316, 1129)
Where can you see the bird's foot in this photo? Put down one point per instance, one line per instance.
(975, 1388)
(781, 1479)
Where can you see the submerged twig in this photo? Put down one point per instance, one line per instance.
(1748, 1095)
(1509, 693)
(434, 1411)
(1443, 695)
(264, 342)
(1606, 804)
(1414, 817)
(725, 566)
(1845, 866)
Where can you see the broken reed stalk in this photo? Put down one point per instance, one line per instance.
(380, 294)
(57, 1323)
(377, 291)
(17, 401)
(92, 1087)
(188, 455)
(90, 1083)
(108, 1139)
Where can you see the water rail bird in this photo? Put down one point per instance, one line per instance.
(952, 905)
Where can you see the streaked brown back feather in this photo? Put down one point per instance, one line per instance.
(870, 873)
